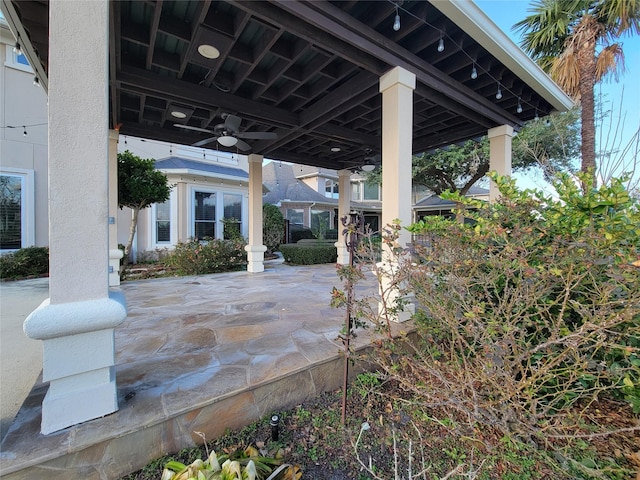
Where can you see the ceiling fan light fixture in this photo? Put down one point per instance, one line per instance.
(368, 168)
(208, 51)
(227, 140)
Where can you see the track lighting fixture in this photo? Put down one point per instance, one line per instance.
(396, 21)
(474, 72)
(519, 109)
(441, 44)
(499, 92)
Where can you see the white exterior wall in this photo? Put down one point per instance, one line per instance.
(21, 103)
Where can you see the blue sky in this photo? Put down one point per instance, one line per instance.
(505, 13)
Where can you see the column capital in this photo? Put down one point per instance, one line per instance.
(397, 75)
(255, 158)
(344, 173)
(501, 130)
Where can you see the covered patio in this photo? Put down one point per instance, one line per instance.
(320, 83)
(196, 354)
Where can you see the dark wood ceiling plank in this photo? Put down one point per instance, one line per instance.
(208, 98)
(153, 32)
(330, 18)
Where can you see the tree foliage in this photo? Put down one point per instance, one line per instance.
(140, 185)
(576, 42)
(552, 144)
(272, 227)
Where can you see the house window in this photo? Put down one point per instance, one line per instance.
(13, 60)
(204, 225)
(163, 222)
(320, 222)
(356, 189)
(17, 216)
(295, 216)
(330, 189)
(10, 212)
(232, 215)
(371, 191)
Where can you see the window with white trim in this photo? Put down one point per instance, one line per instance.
(17, 216)
(204, 215)
(162, 221)
(13, 60)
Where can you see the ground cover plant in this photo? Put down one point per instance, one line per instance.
(25, 263)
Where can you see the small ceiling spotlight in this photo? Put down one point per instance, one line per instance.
(208, 51)
(441, 44)
(519, 108)
(335, 149)
(396, 21)
(499, 92)
(474, 72)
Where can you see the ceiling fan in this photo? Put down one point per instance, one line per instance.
(227, 134)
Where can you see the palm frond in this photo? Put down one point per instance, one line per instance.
(620, 17)
(610, 61)
(565, 72)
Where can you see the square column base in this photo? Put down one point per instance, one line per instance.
(390, 295)
(255, 258)
(64, 407)
(343, 253)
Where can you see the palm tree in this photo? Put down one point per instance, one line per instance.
(576, 42)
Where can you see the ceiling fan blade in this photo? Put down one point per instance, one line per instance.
(244, 146)
(258, 135)
(204, 142)
(189, 127)
(232, 123)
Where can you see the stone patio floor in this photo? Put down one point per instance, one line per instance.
(195, 354)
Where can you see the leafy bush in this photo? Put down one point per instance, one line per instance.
(272, 227)
(309, 254)
(26, 262)
(207, 256)
(529, 316)
(231, 229)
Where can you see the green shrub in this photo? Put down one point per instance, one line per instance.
(300, 233)
(309, 254)
(26, 262)
(207, 256)
(531, 314)
(272, 227)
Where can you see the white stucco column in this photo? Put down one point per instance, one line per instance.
(77, 322)
(396, 87)
(499, 155)
(344, 206)
(115, 254)
(255, 249)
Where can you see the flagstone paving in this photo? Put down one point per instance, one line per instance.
(195, 354)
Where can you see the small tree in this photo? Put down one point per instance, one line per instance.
(139, 186)
(272, 226)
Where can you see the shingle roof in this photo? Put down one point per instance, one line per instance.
(282, 183)
(436, 201)
(178, 163)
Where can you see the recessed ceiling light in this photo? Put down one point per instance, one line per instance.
(178, 114)
(208, 51)
(335, 149)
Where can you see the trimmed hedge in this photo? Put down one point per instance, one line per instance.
(26, 262)
(309, 254)
(299, 233)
